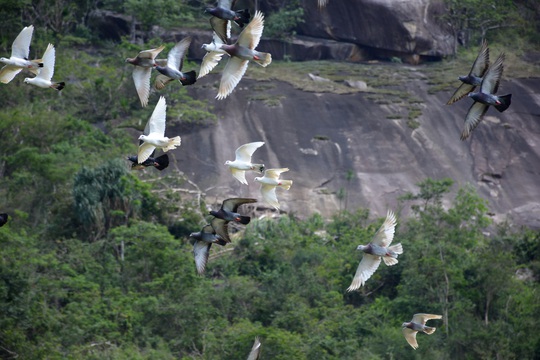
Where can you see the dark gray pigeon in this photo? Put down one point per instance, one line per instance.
(486, 97)
(228, 212)
(474, 78)
(3, 219)
(418, 323)
(224, 11)
(160, 163)
(173, 70)
(202, 241)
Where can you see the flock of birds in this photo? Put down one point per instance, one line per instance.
(242, 51)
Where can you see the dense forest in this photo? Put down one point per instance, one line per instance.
(95, 260)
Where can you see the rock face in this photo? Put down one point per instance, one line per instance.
(322, 137)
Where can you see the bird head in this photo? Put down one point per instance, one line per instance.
(462, 78)
(227, 162)
(142, 137)
(258, 179)
(27, 80)
(3, 59)
(405, 324)
(361, 247)
(470, 94)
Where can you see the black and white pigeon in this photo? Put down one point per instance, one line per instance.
(474, 78)
(418, 323)
(227, 213)
(3, 219)
(486, 97)
(173, 70)
(160, 163)
(202, 241)
(224, 11)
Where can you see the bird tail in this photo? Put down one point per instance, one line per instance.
(429, 330)
(263, 59)
(257, 167)
(389, 261)
(190, 78)
(243, 17)
(58, 86)
(244, 220)
(220, 241)
(285, 184)
(398, 249)
(173, 143)
(505, 102)
(161, 162)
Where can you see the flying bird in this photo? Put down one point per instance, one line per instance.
(221, 35)
(154, 134)
(3, 219)
(255, 352)
(144, 62)
(474, 78)
(486, 97)
(240, 53)
(269, 182)
(224, 11)
(160, 163)
(378, 248)
(45, 74)
(202, 241)
(20, 50)
(227, 213)
(418, 323)
(173, 70)
(242, 162)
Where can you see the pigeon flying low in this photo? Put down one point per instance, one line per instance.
(474, 78)
(418, 323)
(202, 241)
(144, 62)
(486, 97)
(241, 53)
(154, 134)
(378, 248)
(160, 163)
(220, 35)
(18, 60)
(175, 61)
(3, 219)
(45, 74)
(242, 162)
(223, 11)
(227, 213)
(269, 182)
(255, 352)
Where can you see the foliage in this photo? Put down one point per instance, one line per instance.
(281, 23)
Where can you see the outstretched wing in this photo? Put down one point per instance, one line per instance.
(490, 82)
(231, 76)
(175, 59)
(244, 152)
(251, 35)
(141, 79)
(423, 318)
(366, 268)
(157, 120)
(474, 116)
(274, 173)
(385, 234)
(47, 71)
(232, 204)
(268, 193)
(21, 45)
(410, 336)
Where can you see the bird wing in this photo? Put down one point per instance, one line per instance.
(233, 203)
(274, 173)
(460, 92)
(151, 54)
(384, 236)
(8, 72)
(490, 82)
(145, 151)
(221, 227)
(240, 175)
(157, 120)
(244, 152)
(367, 267)
(21, 44)
(251, 35)
(423, 318)
(481, 63)
(474, 116)
(209, 62)
(175, 59)
(141, 78)
(47, 71)
(410, 336)
(225, 4)
(201, 250)
(161, 80)
(255, 350)
(222, 29)
(231, 76)
(268, 193)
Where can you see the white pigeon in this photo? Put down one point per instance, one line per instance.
(418, 323)
(20, 51)
(255, 352)
(242, 162)
(213, 52)
(269, 182)
(45, 74)
(144, 62)
(154, 134)
(378, 248)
